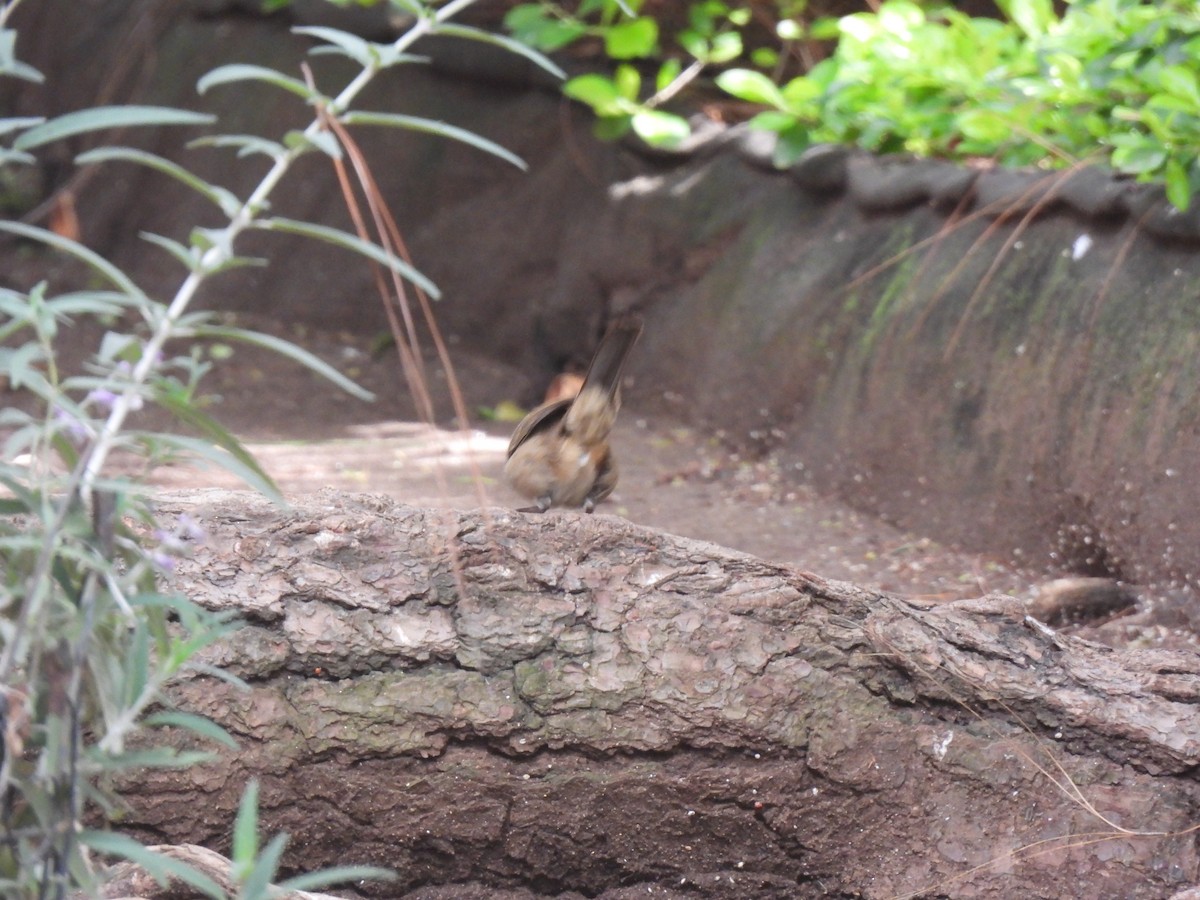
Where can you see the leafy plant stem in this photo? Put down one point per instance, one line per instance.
(682, 80)
(220, 251)
(7, 10)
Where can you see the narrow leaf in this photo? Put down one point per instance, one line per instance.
(104, 118)
(258, 882)
(249, 472)
(76, 249)
(499, 40)
(184, 255)
(205, 728)
(245, 829)
(337, 875)
(236, 459)
(351, 242)
(222, 198)
(284, 348)
(161, 868)
(7, 126)
(246, 144)
(13, 157)
(361, 51)
(245, 72)
(430, 126)
(157, 757)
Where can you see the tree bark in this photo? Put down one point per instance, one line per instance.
(489, 701)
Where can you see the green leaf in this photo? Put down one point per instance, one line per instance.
(430, 126)
(537, 27)
(596, 91)
(103, 118)
(1178, 185)
(235, 459)
(1034, 17)
(12, 157)
(245, 830)
(284, 348)
(219, 196)
(324, 141)
(90, 303)
(667, 73)
(984, 126)
(9, 64)
(8, 126)
(631, 40)
(751, 86)
(824, 29)
(772, 120)
(258, 882)
(337, 875)
(725, 47)
(799, 92)
(235, 72)
(80, 252)
(1137, 154)
(791, 145)
(499, 40)
(161, 868)
(199, 725)
(150, 757)
(351, 242)
(628, 81)
(660, 129)
(1182, 82)
(610, 128)
(361, 51)
(184, 255)
(246, 144)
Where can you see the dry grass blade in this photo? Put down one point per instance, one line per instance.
(399, 312)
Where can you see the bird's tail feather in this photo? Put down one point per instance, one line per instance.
(605, 369)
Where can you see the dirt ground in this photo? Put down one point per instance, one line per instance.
(308, 435)
(674, 476)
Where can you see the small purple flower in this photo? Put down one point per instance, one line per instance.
(189, 529)
(164, 562)
(76, 429)
(102, 397)
(106, 399)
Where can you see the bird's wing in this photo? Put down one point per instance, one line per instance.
(545, 416)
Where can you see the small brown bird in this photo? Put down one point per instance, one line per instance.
(559, 454)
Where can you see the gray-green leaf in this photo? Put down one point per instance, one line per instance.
(246, 72)
(283, 348)
(224, 199)
(431, 126)
(351, 242)
(104, 118)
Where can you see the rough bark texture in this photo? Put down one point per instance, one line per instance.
(489, 701)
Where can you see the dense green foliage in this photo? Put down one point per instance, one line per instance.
(1110, 80)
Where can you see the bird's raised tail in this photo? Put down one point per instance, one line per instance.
(604, 371)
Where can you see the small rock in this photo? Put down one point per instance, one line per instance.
(822, 168)
(1095, 191)
(1014, 192)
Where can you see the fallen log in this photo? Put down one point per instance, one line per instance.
(492, 702)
